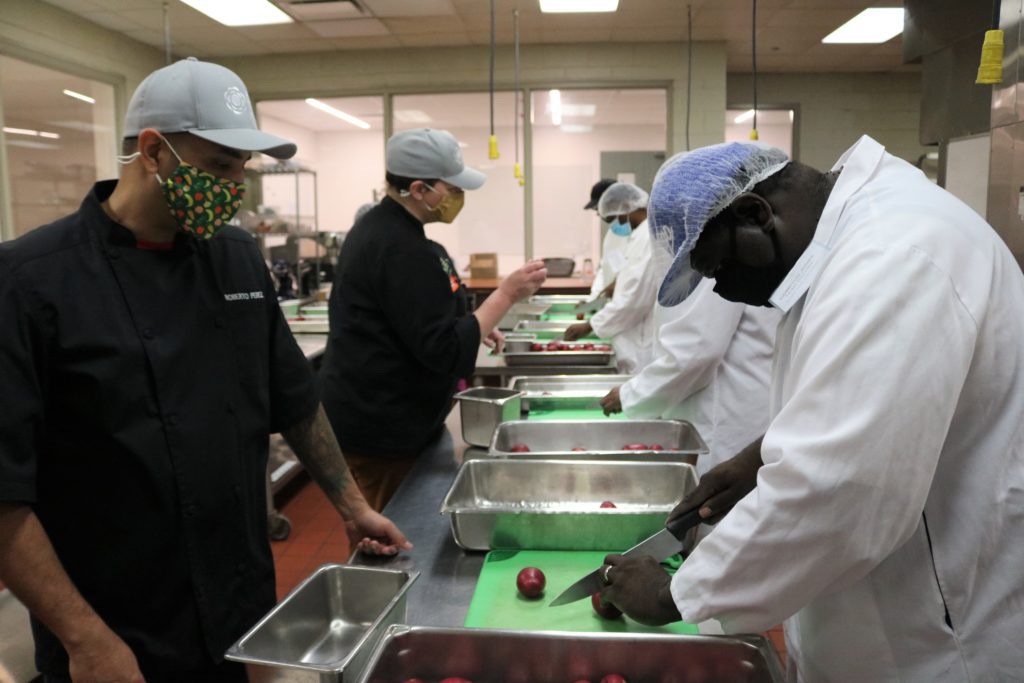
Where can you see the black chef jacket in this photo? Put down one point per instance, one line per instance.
(138, 392)
(401, 336)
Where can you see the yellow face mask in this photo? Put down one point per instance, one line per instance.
(449, 207)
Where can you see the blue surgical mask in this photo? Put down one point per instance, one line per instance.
(621, 229)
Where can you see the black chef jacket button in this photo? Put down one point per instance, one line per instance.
(147, 333)
(218, 321)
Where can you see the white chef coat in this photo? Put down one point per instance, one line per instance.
(628, 319)
(892, 491)
(713, 370)
(613, 257)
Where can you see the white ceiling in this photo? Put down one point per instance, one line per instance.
(789, 31)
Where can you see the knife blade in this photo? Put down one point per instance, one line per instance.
(661, 545)
(591, 306)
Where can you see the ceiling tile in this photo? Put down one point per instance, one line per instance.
(322, 11)
(76, 6)
(365, 43)
(114, 21)
(434, 39)
(349, 27)
(441, 25)
(410, 8)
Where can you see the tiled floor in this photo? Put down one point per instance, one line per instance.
(318, 537)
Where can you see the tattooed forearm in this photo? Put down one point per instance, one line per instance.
(314, 443)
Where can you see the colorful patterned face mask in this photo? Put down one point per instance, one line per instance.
(200, 202)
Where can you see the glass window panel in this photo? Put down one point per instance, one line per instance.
(346, 153)
(492, 220)
(579, 136)
(58, 142)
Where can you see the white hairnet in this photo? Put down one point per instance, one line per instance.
(620, 199)
(692, 188)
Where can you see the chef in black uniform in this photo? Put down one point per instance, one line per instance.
(144, 362)
(402, 335)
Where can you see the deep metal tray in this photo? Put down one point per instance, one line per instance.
(556, 504)
(324, 630)
(482, 409)
(554, 358)
(565, 391)
(502, 656)
(603, 440)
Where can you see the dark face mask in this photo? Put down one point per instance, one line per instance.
(751, 285)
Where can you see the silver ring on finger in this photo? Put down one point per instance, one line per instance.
(605, 575)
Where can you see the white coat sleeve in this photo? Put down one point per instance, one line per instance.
(694, 344)
(878, 361)
(636, 289)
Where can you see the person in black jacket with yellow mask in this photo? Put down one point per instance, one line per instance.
(401, 332)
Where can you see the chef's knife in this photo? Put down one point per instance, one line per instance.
(591, 306)
(661, 545)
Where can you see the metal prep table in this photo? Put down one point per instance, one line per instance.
(488, 365)
(448, 574)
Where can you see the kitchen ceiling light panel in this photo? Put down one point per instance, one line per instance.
(873, 25)
(578, 6)
(241, 12)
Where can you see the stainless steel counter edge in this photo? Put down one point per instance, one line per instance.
(448, 574)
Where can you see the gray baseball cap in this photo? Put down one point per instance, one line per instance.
(206, 100)
(424, 153)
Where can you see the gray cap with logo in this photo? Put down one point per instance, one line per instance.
(424, 153)
(206, 100)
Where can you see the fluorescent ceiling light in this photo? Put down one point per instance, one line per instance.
(555, 104)
(745, 116)
(791, 116)
(576, 128)
(337, 113)
(579, 109)
(31, 144)
(555, 6)
(874, 25)
(412, 116)
(79, 96)
(33, 133)
(240, 12)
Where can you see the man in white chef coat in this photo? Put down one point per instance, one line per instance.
(885, 523)
(613, 246)
(628, 319)
(712, 367)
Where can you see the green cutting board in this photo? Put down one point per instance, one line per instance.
(569, 318)
(497, 604)
(573, 414)
(553, 335)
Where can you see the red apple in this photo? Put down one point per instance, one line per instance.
(604, 610)
(552, 346)
(580, 316)
(588, 347)
(610, 678)
(519, 448)
(608, 504)
(635, 447)
(578, 449)
(657, 447)
(536, 347)
(530, 583)
(602, 347)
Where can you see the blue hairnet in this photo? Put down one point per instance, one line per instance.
(690, 189)
(621, 199)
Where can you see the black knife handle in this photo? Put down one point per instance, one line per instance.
(680, 525)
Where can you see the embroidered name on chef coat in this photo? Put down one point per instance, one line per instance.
(243, 296)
